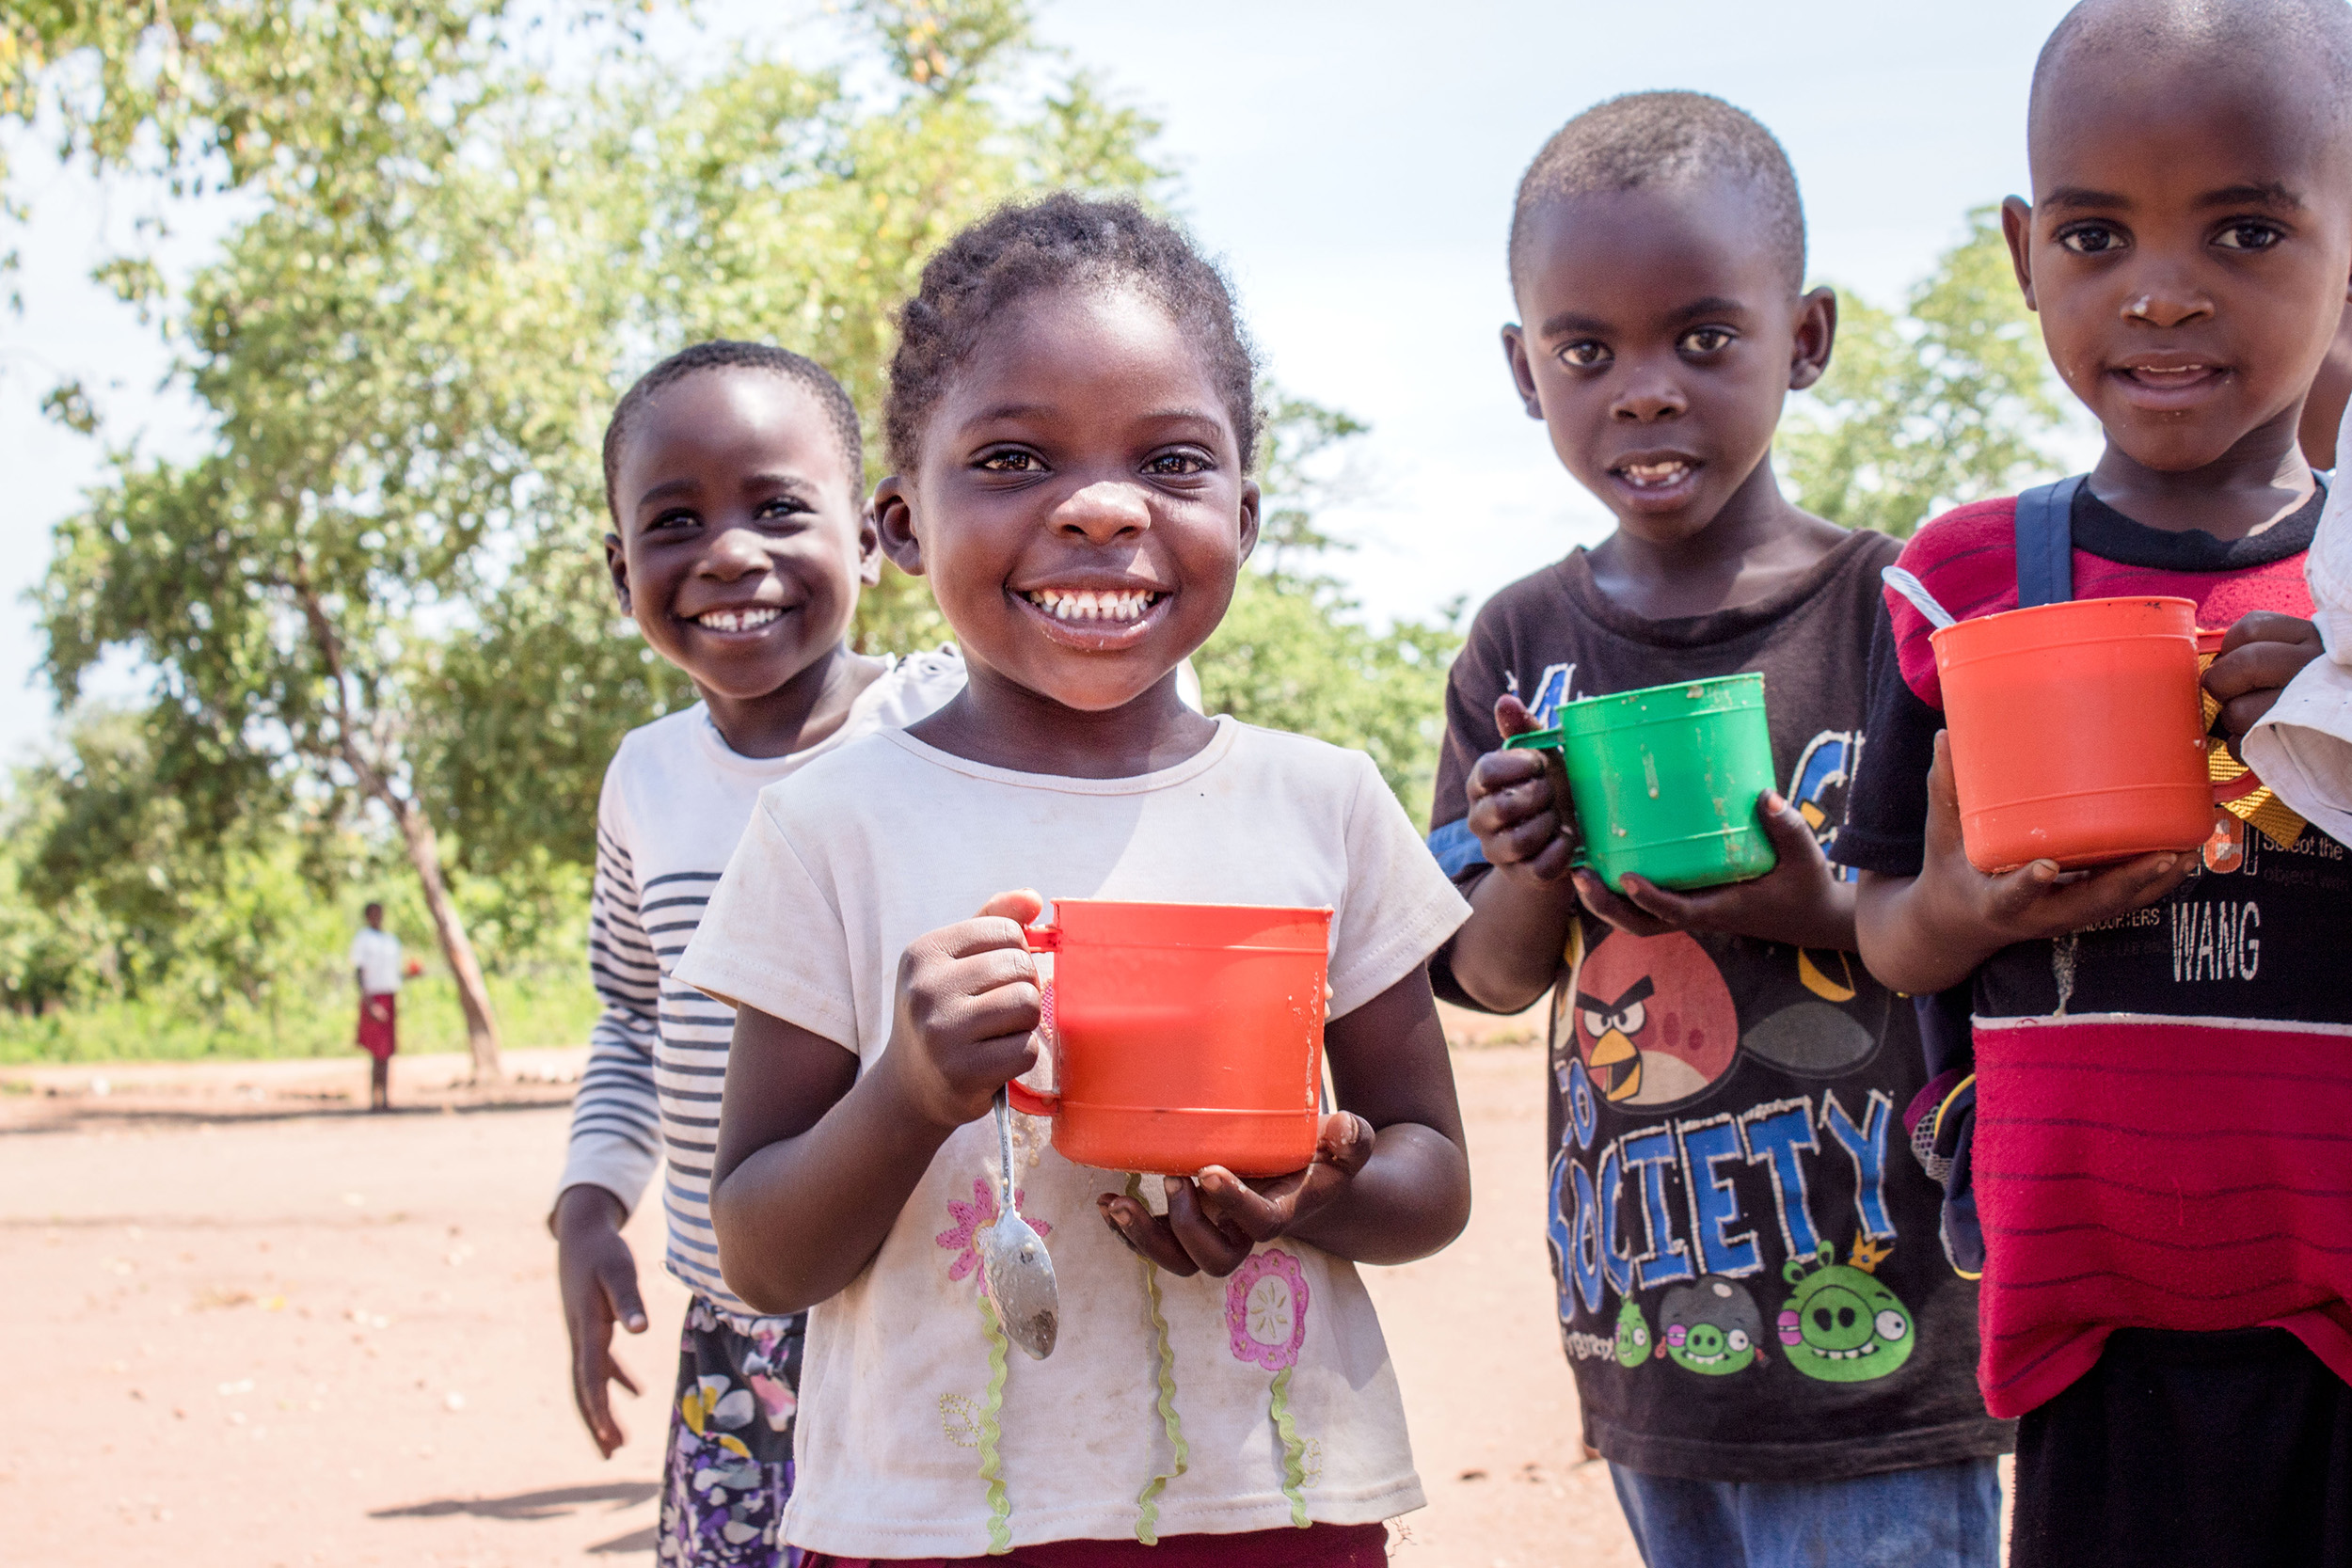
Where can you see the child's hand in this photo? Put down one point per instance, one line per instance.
(1213, 1220)
(968, 1004)
(1523, 830)
(597, 1278)
(1800, 901)
(2262, 653)
(1931, 931)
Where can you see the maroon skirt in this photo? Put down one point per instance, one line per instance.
(377, 1026)
(1316, 1547)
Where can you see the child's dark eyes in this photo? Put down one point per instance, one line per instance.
(677, 516)
(1012, 460)
(2091, 239)
(1586, 355)
(1177, 464)
(1706, 339)
(2247, 237)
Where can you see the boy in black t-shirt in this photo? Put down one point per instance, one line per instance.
(1770, 1350)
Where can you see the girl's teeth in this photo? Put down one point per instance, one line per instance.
(1656, 473)
(1118, 604)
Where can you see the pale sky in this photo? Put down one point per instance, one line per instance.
(1352, 165)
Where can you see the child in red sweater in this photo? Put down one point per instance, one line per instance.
(2163, 1048)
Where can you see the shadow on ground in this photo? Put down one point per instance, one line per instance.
(87, 1115)
(550, 1503)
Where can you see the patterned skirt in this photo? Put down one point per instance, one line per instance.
(729, 1469)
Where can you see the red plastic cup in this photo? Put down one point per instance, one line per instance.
(1184, 1036)
(2077, 732)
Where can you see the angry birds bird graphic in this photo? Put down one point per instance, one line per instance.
(1632, 1335)
(1654, 1020)
(1842, 1325)
(1711, 1328)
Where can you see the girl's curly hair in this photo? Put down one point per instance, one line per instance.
(1057, 241)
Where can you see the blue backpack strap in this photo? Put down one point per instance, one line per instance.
(2045, 542)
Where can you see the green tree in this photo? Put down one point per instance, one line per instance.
(1294, 652)
(1948, 402)
(764, 201)
(375, 586)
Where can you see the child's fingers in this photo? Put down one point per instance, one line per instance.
(591, 1366)
(1235, 1205)
(1021, 905)
(1500, 771)
(2258, 666)
(967, 939)
(1344, 1142)
(2266, 626)
(1145, 1234)
(2241, 714)
(1512, 718)
(1552, 862)
(1943, 825)
(1784, 825)
(1217, 1248)
(617, 1279)
(1621, 913)
(2030, 902)
(1521, 842)
(1671, 908)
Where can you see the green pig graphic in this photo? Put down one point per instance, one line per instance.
(1632, 1336)
(1711, 1328)
(1842, 1325)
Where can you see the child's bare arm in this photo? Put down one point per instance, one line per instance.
(814, 1161)
(1390, 1177)
(1925, 933)
(1507, 954)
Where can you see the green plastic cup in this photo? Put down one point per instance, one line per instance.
(1663, 781)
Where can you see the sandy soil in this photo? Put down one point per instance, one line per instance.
(249, 1324)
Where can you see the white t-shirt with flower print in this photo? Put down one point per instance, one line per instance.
(850, 861)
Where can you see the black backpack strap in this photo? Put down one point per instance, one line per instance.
(2045, 542)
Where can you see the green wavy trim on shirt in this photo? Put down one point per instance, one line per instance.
(991, 1469)
(1293, 1452)
(1146, 1501)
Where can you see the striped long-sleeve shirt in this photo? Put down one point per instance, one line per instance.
(674, 801)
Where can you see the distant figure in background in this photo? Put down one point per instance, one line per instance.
(376, 965)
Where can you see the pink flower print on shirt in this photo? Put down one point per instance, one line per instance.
(1265, 1309)
(776, 1402)
(975, 1216)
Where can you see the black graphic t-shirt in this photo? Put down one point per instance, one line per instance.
(1750, 1283)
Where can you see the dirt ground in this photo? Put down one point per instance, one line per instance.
(249, 1324)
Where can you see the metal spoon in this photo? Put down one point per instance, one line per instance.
(1917, 592)
(1013, 1261)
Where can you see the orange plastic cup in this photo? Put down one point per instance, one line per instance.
(1183, 1035)
(2077, 732)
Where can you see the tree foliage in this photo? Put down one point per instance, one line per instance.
(381, 589)
(1294, 652)
(1948, 402)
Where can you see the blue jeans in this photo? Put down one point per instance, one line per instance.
(1944, 1516)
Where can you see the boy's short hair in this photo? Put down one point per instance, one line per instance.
(1664, 138)
(2316, 30)
(721, 354)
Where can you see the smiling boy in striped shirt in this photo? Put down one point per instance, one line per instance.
(734, 475)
